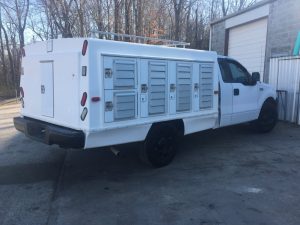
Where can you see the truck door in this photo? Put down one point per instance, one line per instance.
(225, 82)
(243, 93)
(47, 85)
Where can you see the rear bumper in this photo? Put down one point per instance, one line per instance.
(50, 133)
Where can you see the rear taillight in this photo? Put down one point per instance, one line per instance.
(84, 47)
(21, 92)
(83, 99)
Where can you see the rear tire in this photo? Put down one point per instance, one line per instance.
(268, 117)
(159, 148)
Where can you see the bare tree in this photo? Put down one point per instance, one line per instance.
(173, 19)
(17, 14)
(117, 14)
(128, 15)
(61, 14)
(16, 21)
(80, 14)
(178, 11)
(5, 74)
(225, 7)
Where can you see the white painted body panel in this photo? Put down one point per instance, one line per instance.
(102, 127)
(65, 83)
(47, 89)
(225, 103)
(245, 105)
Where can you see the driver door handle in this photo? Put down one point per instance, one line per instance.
(236, 91)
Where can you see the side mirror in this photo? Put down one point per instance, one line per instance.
(255, 77)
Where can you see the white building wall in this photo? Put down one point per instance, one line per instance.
(247, 44)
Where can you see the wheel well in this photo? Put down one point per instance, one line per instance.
(271, 100)
(177, 124)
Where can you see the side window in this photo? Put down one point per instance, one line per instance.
(239, 73)
(225, 71)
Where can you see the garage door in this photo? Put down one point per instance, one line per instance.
(247, 44)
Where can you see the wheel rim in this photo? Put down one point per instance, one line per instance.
(164, 149)
(268, 118)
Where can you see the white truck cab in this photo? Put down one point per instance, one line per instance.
(87, 93)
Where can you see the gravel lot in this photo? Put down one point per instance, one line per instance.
(228, 176)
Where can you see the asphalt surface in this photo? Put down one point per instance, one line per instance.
(228, 176)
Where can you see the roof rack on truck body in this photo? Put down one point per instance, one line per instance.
(138, 39)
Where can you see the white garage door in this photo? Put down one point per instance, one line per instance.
(247, 44)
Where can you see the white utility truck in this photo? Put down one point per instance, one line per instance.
(87, 93)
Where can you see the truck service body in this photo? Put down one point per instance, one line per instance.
(87, 93)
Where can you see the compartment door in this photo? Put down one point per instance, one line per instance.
(157, 87)
(119, 73)
(154, 87)
(206, 86)
(120, 105)
(47, 89)
(125, 105)
(184, 87)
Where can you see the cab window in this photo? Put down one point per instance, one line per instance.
(225, 71)
(233, 72)
(239, 73)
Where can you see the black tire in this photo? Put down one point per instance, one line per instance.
(268, 117)
(159, 148)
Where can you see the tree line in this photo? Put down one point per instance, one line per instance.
(25, 21)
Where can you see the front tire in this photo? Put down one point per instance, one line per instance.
(159, 148)
(268, 117)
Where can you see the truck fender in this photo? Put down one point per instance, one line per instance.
(268, 95)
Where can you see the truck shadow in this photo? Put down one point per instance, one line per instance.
(76, 166)
(101, 163)
(23, 161)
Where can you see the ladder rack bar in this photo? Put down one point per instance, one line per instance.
(130, 36)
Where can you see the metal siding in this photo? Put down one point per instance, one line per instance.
(157, 87)
(284, 74)
(184, 86)
(206, 86)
